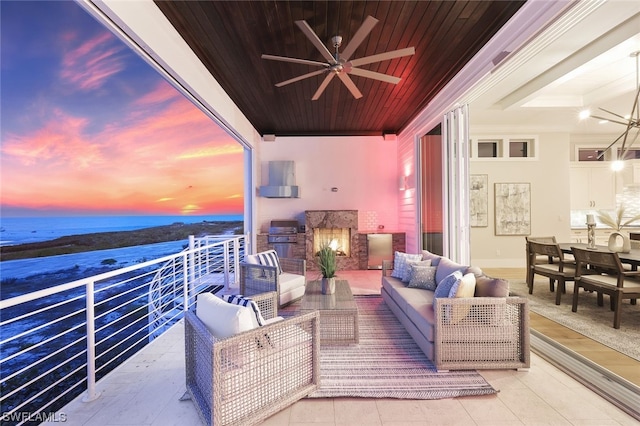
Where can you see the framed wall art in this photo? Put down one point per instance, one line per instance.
(513, 208)
(479, 201)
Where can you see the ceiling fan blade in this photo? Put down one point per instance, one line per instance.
(358, 37)
(350, 85)
(306, 29)
(300, 77)
(323, 86)
(375, 75)
(383, 56)
(294, 60)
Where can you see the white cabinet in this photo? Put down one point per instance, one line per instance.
(592, 187)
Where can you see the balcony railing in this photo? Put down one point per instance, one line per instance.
(57, 342)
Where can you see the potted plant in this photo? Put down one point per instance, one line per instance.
(617, 224)
(327, 263)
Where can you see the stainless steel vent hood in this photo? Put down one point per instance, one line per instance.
(282, 181)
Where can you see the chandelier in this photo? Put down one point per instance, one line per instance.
(631, 122)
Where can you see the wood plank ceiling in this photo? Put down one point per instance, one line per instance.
(229, 37)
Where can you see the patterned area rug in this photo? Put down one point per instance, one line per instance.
(591, 320)
(387, 363)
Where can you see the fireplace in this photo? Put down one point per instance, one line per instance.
(339, 239)
(337, 227)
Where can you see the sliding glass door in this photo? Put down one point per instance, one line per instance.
(444, 187)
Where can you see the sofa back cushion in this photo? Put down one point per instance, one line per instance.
(427, 255)
(491, 287)
(446, 267)
(224, 319)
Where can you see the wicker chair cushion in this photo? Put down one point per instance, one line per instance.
(244, 301)
(252, 259)
(423, 277)
(408, 271)
(400, 263)
(224, 319)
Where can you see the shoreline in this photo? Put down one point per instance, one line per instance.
(118, 239)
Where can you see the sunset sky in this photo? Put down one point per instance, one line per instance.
(88, 127)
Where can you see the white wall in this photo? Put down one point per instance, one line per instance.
(550, 206)
(363, 169)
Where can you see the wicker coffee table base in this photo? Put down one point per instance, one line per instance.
(338, 313)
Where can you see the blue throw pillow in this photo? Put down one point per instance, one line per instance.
(444, 287)
(400, 263)
(423, 277)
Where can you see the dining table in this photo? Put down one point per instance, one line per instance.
(632, 257)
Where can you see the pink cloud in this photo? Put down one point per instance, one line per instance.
(90, 64)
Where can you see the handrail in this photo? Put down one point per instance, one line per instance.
(57, 342)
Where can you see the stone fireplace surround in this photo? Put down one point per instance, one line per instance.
(335, 219)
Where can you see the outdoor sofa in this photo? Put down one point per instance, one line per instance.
(482, 329)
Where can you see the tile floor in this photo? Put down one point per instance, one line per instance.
(146, 389)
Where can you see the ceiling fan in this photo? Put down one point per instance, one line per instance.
(339, 64)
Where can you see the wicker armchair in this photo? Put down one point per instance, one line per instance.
(290, 285)
(248, 377)
(482, 333)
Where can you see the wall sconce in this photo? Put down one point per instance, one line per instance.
(405, 182)
(402, 183)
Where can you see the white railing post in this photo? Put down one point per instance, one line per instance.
(225, 246)
(92, 393)
(185, 286)
(236, 261)
(192, 246)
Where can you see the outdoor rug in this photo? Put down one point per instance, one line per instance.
(591, 320)
(387, 363)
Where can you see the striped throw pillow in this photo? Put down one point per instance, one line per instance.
(270, 258)
(243, 301)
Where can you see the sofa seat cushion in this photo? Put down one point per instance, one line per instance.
(423, 316)
(292, 287)
(404, 296)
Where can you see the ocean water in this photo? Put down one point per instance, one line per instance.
(20, 230)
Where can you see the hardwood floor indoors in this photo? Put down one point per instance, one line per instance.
(620, 364)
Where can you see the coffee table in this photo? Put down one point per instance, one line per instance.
(338, 312)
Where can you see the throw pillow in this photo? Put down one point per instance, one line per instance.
(400, 263)
(423, 277)
(444, 287)
(411, 263)
(221, 318)
(244, 301)
(491, 287)
(464, 288)
(270, 258)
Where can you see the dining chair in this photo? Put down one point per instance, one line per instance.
(602, 271)
(556, 269)
(537, 259)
